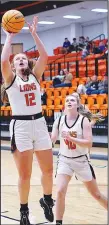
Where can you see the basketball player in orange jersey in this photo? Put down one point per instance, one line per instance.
(28, 127)
(75, 141)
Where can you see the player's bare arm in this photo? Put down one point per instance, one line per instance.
(55, 132)
(6, 69)
(42, 61)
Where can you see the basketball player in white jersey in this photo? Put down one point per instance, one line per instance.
(28, 127)
(75, 141)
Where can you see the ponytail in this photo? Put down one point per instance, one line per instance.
(91, 116)
(86, 112)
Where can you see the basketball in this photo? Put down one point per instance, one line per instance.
(13, 21)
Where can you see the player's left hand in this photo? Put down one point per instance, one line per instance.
(66, 135)
(33, 26)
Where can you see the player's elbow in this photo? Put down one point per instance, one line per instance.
(53, 138)
(90, 144)
(3, 62)
(45, 56)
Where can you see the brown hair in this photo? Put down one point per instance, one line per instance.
(31, 64)
(4, 96)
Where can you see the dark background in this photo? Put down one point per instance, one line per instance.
(27, 8)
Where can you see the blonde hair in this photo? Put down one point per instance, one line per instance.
(85, 111)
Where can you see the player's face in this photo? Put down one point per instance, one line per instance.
(71, 103)
(20, 62)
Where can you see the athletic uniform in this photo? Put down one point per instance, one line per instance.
(28, 128)
(73, 157)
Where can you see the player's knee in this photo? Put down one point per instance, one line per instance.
(48, 172)
(61, 192)
(25, 176)
(97, 195)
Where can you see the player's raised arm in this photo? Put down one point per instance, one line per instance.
(5, 63)
(42, 61)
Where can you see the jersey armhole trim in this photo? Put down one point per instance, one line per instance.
(82, 122)
(35, 78)
(11, 83)
(59, 122)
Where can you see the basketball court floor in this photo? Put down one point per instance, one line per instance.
(81, 208)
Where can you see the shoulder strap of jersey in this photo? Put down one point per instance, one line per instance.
(82, 122)
(11, 83)
(59, 122)
(35, 78)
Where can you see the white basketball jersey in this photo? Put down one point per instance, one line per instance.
(24, 96)
(68, 148)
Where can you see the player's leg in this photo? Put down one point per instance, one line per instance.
(23, 162)
(64, 174)
(93, 189)
(62, 182)
(45, 160)
(22, 148)
(85, 172)
(44, 154)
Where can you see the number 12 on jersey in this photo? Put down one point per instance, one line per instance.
(30, 99)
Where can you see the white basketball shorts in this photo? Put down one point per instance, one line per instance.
(30, 134)
(80, 166)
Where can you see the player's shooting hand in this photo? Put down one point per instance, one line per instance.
(33, 26)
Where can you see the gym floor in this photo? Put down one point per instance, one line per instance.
(81, 208)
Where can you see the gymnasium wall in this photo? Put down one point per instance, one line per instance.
(94, 28)
(55, 37)
(50, 38)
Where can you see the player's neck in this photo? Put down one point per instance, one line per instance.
(21, 74)
(72, 116)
